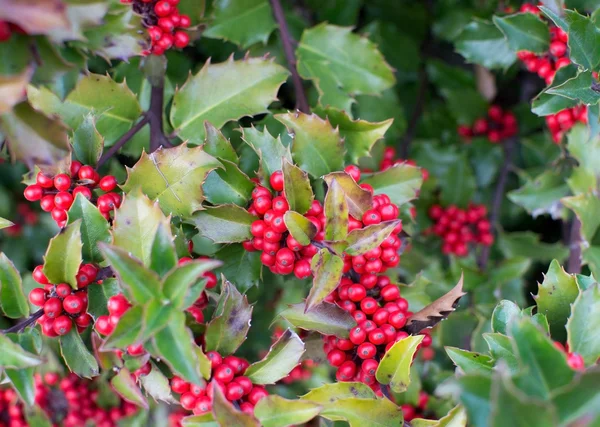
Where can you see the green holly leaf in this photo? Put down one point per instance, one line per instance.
(394, 367)
(364, 412)
(505, 312)
(283, 356)
(173, 177)
(178, 282)
(114, 105)
(579, 400)
(501, 348)
(524, 31)
(204, 362)
(359, 135)
(231, 321)
(157, 385)
(15, 356)
(583, 330)
(139, 283)
(528, 244)
(243, 22)
(98, 296)
(63, 257)
(585, 207)
(223, 92)
(578, 88)
(241, 267)
(585, 148)
(336, 212)
(542, 194)
(363, 240)
(545, 104)
(226, 415)
(228, 185)
(76, 355)
(127, 331)
(325, 318)
(217, 145)
(4, 223)
(475, 396)
(584, 39)
(300, 227)
(400, 182)
(157, 315)
(327, 271)
(163, 257)
(87, 142)
(269, 150)
(22, 379)
(470, 362)
(342, 64)
(12, 299)
(317, 147)
(126, 387)
(332, 392)
(206, 420)
(358, 199)
(481, 42)
(93, 226)
(275, 411)
(298, 191)
(555, 295)
(225, 223)
(136, 223)
(175, 344)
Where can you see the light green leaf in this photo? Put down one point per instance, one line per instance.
(545, 104)
(206, 420)
(505, 312)
(128, 329)
(98, 296)
(342, 64)
(585, 149)
(579, 400)
(326, 318)
(331, 392)
(87, 141)
(16, 357)
(283, 356)
(470, 362)
(22, 379)
(586, 206)
(63, 257)
(400, 182)
(336, 212)
(583, 327)
(4, 223)
(299, 227)
(76, 355)
(94, 227)
(482, 43)
(298, 191)
(475, 396)
(157, 385)
(228, 185)
(226, 415)
(173, 177)
(578, 88)
(365, 412)
(135, 225)
(275, 411)
(555, 295)
(223, 92)
(177, 283)
(501, 348)
(217, 145)
(358, 199)
(542, 194)
(327, 271)
(394, 367)
(126, 387)
(12, 299)
(524, 31)
(225, 223)
(270, 151)
(243, 22)
(364, 239)
(317, 147)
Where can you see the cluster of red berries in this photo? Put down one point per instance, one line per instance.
(72, 401)
(561, 122)
(6, 30)
(228, 374)
(117, 305)
(62, 304)
(25, 216)
(545, 65)
(459, 227)
(389, 160)
(163, 23)
(574, 360)
(211, 281)
(56, 194)
(380, 313)
(497, 126)
(411, 412)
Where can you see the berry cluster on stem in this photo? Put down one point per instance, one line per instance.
(62, 305)
(560, 123)
(460, 227)
(163, 23)
(226, 373)
(497, 126)
(411, 412)
(57, 193)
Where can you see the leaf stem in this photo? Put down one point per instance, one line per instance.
(25, 322)
(288, 49)
(124, 139)
(509, 147)
(157, 134)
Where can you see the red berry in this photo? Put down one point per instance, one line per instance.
(33, 192)
(346, 371)
(182, 39)
(376, 336)
(336, 357)
(366, 350)
(63, 200)
(155, 32)
(202, 405)
(184, 21)
(369, 305)
(258, 228)
(357, 292)
(37, 297)
(276, 180)
(369, 366)
(103, 325)
(86, 173)
(215, 359)
(357, 335)
(63, 290)
(44, 181)
(371, 217)
(234, 391)
(108, 183)
(179, 386)
(285, 257)
(575, 361)
(188, 401)
(47, 203)
(245, 383)
(84, 320)
(62, 325)
(280, 205)
(5, 31)
(558, 48)
(73, 304)
(223, 373)
(495, 113)
(390, 292)
(53, 308)
(118, 305)
(59, 215)
(39, 276)
(302, 269)
(397, 319)
(262, 204)
(84, 191)
(256, 394)
(163, 8)
(353, 171)
(278, 224)
(136, 349)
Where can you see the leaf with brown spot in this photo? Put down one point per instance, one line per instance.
(435, 312)
(336, 212)
(359, 200)
(325, 318)
(327, 271)
(363, 240)
(300, 227)
(298, 191)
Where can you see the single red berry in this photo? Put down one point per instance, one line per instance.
(182, 39)
(357, 292)
(62, 182)
(73, 304)
(369, 305)
(179, 385)
(302, 269)
(58, 215)
(39, 276)
(376, 336)
(86, 173)
(285, 257)
(369, 366)
(215, 359)
(184, 21)
(245, 383)
(136, 349)
(366, 350)
(353, 171)
(37, 296)
(5, 31)
(234, 391)
(44, 181)
(390, 293)
(187, 401)
(84, 320)
(336, 357)
(256, 394)
(33, 192)
(357, 335)
(63, 290)
(258, 228)
(575, 361)
(62, 325)
(53, 308)
(276, 180)
(223, 373)
(278, 225)
(103, 325)
(108, 183)
(280, 205)
(262, 204)
(163, 8)
(118, 305)
(397, 320)
(63, 200)
(371, 217)
(202, 405)
(47, 203)
(84, 191)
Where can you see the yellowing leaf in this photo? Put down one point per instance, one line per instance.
(13, 89)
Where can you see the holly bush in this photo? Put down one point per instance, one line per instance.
(318, 213)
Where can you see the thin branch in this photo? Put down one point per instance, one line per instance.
(574, 262)
(157, 134)
(25, 323)
(509, 149)
(124, 139)
(288, 49)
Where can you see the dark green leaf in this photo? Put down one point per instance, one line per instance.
(12, 299)
(545, 104)
(76, 355)
(400, 182)
(327, 271)
(578, 88)
(87, 142)
(524, 31)
(126, 387)
(178, 282)
(580, 399)
(504, 312)
(217, 145)
(326, 318)
(94, 227)
(228, 185)
(127, 330)
(98, 296)
(482, 43)
(224, 224)
(283, 356)
(163, 256)
(475, 395)
(298, 191)
(501, 348)
(542, 194)
(22, 379)
(470, 362)
(583, 327)
(241, 267)
(63, 257)
(584, 40)
(270, 151)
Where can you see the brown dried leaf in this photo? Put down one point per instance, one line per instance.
(486, 82)
(35, 16)
(435, 312)
(13, 89)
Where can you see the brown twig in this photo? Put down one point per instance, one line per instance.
(288, 49)
(509, 149)
(157, 134)
(574, 262)
(25, 322)
(124, 139)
